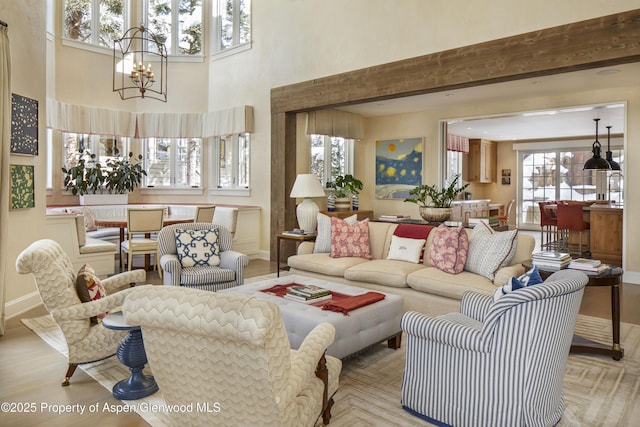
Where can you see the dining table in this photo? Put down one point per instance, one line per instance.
(121, 223)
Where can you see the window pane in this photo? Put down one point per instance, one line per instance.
(245, 21)
(225, 177)
(77, 20)
(190, 31)
(160, 22)
(317, 157)
(188, 164)
(243, 160)
(225, 14)
(338, 157)
(111, 21)
(158, 162)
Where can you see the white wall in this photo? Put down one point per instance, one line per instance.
(296, 41)
(26, 21)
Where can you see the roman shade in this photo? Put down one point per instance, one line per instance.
(335, 123)
(104, 121)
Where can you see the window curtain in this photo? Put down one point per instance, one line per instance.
(5, 137)
(90, 120)
(457, 143)
(103, 121)
(335, 123)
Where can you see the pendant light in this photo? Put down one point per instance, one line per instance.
(596, 162)
(614, 165)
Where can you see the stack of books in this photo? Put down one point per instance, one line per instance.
(551, 260)
(308, 294)
(588, 266)
(394, 218)
(492, 220)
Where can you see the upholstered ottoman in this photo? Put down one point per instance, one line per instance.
(362, 328)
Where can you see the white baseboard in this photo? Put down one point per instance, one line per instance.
(632, 277)
(20, 305)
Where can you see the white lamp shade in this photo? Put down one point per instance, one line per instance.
(307, 185)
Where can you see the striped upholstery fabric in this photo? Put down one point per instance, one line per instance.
(494, 364)
(229, 273)
(233, 350)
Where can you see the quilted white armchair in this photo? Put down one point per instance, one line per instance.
(229, 272)
(56, 281)
(494, 364)
(232, 352)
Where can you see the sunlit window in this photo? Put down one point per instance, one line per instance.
(173, 162)
(232, 20)
(331, 156)
(231, 161)
(95, 22)
(177, 24)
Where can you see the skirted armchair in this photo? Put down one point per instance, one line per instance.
(56, 281)
(229, 272)
(494, 364)
(232, 352)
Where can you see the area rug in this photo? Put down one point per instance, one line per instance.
(598, 390)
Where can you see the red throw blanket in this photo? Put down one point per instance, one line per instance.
(344, 305)
(340, 303)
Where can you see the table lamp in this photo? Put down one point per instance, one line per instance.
(307, 186)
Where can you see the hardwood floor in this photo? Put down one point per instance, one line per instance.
(31, 371)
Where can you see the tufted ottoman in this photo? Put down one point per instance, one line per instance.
(362, 328)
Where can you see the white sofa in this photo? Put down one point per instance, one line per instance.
(425, 289)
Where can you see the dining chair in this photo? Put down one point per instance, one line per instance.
(142, 221)
(570, 218)
(548, 226)
(204, 213)
(227, 217)
(504, 219)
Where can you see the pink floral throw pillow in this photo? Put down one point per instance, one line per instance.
(449, 249)
(349, 240)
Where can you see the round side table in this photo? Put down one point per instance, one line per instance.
(131, 354)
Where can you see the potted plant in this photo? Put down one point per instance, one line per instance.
(434, 202)
(118, 176)
(345, 187)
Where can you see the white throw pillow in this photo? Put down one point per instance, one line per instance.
(323, 237)
(198, 247)
(405, 249)
(490, 250)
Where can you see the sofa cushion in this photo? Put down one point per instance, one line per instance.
(198, 247)
(414, 231)
(350, 240)
(323, 238)
(383, 272)
(434, 281)
(405, 249)
(449, 249)
(490, 250)
(530, 278)
(90, 288)
(323, 263)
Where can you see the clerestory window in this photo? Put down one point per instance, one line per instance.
(95, 22)
(232, 25)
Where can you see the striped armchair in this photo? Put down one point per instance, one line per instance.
(229, 273)
(494, 364)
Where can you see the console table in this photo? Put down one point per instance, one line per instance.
(298, 238)
(360, 215)
(612, 278)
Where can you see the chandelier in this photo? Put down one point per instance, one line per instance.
(131, 77)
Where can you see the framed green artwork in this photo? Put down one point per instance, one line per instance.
(22, 196)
